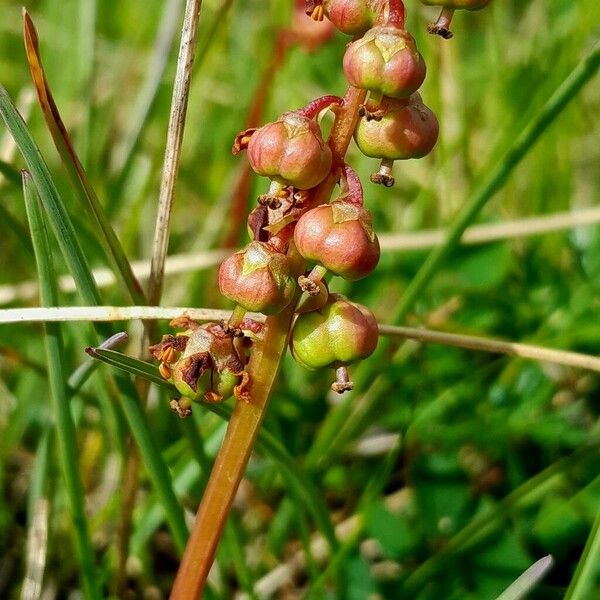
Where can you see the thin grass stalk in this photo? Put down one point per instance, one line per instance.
(65, 428)
(390, 242)
(179, 102)
(468, 342)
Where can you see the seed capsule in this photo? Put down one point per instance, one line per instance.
(339, 236)
(339, 333)
(258, 278)
(386, 62)
(208, 367)
(353, 17)
(290, 151)
(408, 129)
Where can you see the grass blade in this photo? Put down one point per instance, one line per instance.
(72, 164)
(65, 428)
(75, 259)
(528, 580)
(131, 365)
(582, 584)
(54, 207)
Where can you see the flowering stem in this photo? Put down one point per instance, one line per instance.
(247, 416)
(312, 109)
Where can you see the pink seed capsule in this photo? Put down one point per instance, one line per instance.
(340, 237)
(258, 278)
(290, 151)
(386, 62)
(408, 129)
(353, 17)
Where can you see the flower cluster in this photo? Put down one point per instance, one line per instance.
(291, 229)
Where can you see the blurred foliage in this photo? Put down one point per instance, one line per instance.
(473, 427)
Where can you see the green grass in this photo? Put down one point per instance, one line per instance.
(496, 461)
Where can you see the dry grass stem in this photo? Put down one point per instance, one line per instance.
(179, 103)
(37, 546)
(493, 232)
(471, 342)
(391, 242)
(174, 265)
(128, 313)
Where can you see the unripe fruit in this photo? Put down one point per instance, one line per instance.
(209, 368)
(353, 17)
(338, 334)
(339, 236)
(458, 4)
(385, 61)
(290, 151)
(407, 130)
(258, 278)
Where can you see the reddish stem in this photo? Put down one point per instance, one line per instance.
(247, 416)
(351, 185)
(312, 109)
(393, 14)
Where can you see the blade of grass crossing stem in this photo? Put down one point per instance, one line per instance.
(80, 271)
(492, 184)
(131, 365)
(73, 166)
(65, 429)
(585, 580)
